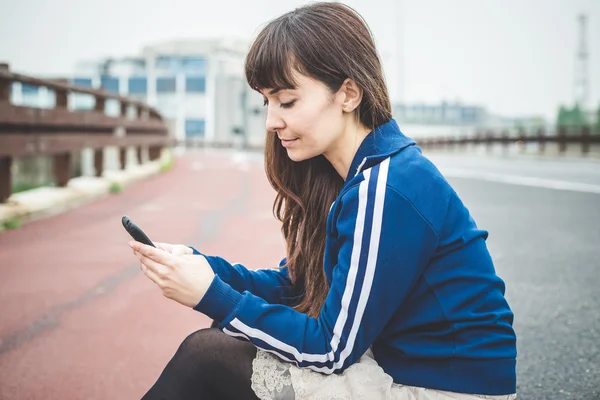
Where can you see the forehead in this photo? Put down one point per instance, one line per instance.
(302, 83)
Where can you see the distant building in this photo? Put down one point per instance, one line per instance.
(197, 85)
(440, 114)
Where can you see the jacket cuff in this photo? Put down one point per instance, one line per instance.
(214, 266)
(196, 252)
(219, 301)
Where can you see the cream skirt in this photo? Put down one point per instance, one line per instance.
(274, 379)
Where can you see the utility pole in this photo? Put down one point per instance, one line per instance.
(582, 84)
(400, 51)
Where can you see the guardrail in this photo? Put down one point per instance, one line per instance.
(59, 131)
(563, 137)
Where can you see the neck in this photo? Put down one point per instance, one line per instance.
(342, 152)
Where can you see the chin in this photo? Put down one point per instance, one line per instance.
(297, 156)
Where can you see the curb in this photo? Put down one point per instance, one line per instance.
(43, 202)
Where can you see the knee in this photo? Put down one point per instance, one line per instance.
(204, 345)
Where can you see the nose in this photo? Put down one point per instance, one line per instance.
(274, 122)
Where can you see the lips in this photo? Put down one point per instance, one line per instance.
(288, 142)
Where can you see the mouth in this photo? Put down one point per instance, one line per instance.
(288, 142)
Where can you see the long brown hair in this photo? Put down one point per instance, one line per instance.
(329, 42)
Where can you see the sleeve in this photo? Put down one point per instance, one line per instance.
(384, 246)
(272, 285)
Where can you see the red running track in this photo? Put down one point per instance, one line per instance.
(79, 320)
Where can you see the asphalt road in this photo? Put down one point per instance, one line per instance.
(546, 246)
(79, 321)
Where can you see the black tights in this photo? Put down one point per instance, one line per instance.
(208, 365)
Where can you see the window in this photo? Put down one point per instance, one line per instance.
(194, 84)
(138, 85)
(110, 84)
(85, 82)
(29, 89)
(165, 85)
(194, 127)
(175, 64)
(195, 65)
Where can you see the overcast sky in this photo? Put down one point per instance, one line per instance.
(515, 57)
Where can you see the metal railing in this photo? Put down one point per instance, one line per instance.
(564, 136)
(59, 131)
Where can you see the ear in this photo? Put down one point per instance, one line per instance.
(352, 95)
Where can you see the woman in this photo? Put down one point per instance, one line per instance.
(387, 291)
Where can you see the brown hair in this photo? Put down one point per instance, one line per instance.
(329, 42)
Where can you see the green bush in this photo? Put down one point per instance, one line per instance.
(167, 165)
(11, 224)
(115, 188)
(21, 187)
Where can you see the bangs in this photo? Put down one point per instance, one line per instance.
(270, 63)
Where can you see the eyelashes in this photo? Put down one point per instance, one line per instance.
(289, 104)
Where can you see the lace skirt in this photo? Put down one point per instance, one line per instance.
(275, 379)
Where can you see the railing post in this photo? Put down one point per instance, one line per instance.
(585, 140)
(489, 140)
(5, 162)
(541, 140)
(5, 178)
(99, 161)
(62, 169)
(61, 95)
(99, 153)
(505, 140)
(522, 139)
(4, 84)
(450, 144)
(123, 157)
(463, 142)
(61, 162)
(139, 149)
(154, 153)
(123, 150)
(562, 139)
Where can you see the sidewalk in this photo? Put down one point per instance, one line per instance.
(43, 202)
(79, 319)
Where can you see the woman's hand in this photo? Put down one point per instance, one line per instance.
(176, 249)
(183, 278)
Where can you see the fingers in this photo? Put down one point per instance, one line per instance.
(155, 254)
(164, 246)
(157, 268)
(150, 274)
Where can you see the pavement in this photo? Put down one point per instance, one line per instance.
(43, 202)
(80, 321)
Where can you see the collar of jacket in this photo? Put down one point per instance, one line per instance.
(379, 144)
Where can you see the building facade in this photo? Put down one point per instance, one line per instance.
(197, 85)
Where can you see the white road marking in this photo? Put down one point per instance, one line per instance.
(521, 180)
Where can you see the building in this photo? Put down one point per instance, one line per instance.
(197, 85)
(440, 114)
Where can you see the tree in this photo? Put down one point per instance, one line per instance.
(578, 116)
(574, 117)
(563, 116)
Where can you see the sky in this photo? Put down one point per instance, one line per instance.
(514, 57)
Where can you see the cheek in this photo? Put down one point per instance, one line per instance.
(316, 122)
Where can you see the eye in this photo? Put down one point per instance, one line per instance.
(288, 104)
(265, 102)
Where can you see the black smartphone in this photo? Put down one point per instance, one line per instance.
(136, 232)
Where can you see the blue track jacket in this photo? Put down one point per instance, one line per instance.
(410, 276)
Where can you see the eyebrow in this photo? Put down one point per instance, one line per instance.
(275, 91)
